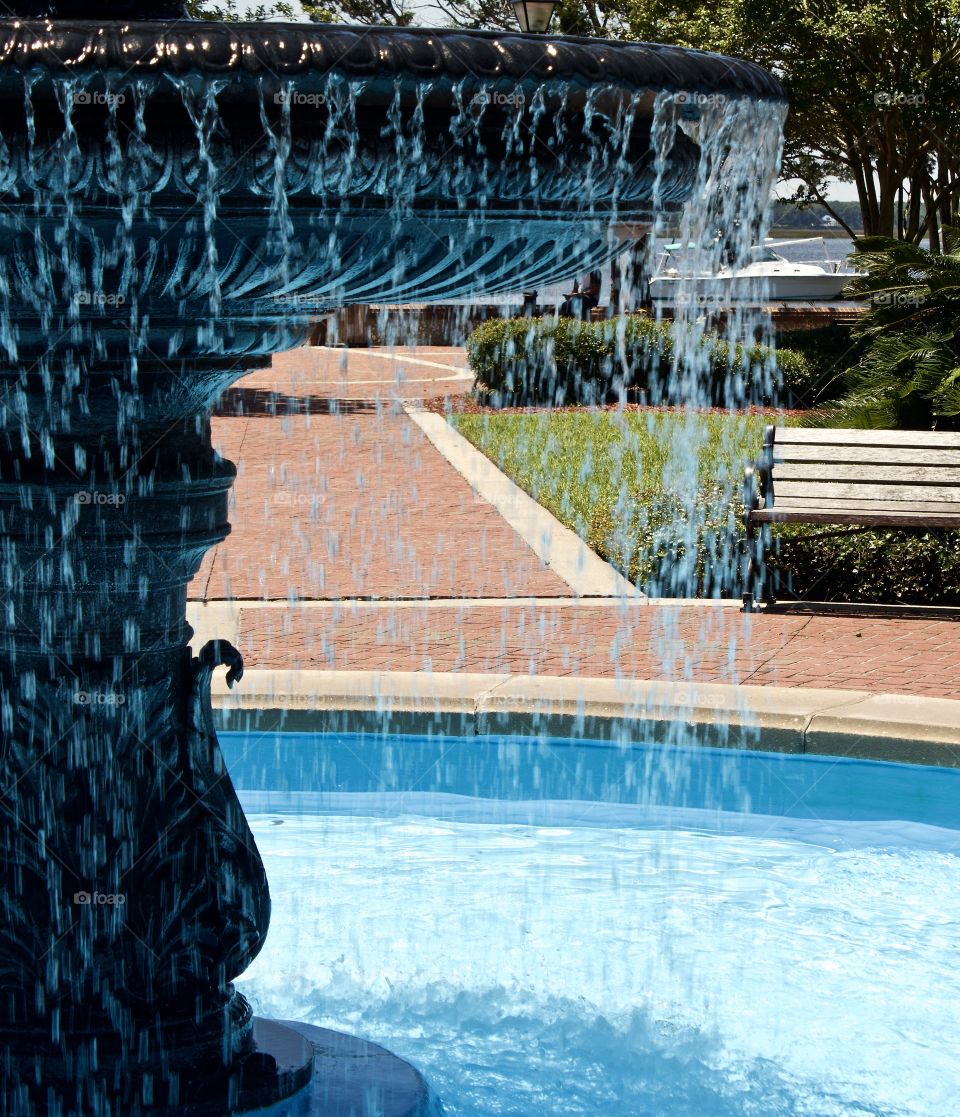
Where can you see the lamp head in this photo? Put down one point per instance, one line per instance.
(534, 15)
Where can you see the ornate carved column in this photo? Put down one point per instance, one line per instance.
(131, 890)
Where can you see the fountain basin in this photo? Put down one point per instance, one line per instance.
(208, 189)
(563, 926)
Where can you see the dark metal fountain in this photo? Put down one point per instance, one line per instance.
(177, 200)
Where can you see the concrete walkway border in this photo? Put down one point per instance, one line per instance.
(561, 549)
(845, 723)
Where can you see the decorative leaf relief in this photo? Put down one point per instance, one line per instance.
(135, 810)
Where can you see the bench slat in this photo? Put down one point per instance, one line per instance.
(852, 516)
(834, 436)
(826, 504)
(869, 474)
(883, 455)
(905, 494)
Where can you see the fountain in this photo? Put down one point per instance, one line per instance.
(179, 200)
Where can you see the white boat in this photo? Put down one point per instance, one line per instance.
(768, 278)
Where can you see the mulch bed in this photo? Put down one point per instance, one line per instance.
(469, 405)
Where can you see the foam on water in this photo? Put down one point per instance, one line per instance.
(643, 931)
(571, 967)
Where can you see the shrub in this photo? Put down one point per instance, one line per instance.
(909, 567)
(536, 360)
(909, 374)
(528, 360)
(827, 353)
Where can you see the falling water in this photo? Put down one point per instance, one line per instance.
(134, 261)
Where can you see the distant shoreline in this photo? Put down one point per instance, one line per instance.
(800, 234)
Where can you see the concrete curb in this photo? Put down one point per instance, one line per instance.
(846, 723)
(556, 545)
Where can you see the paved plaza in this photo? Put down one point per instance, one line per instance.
(357, 545)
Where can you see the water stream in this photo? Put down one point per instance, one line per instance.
(144, 273)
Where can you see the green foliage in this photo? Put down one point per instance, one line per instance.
(397, 13)
(612, 477)
(800, 376)
(318, 13)
(909, 375)
(621, 481)
(828, 352)
(390, 13)
(907, 380)
(907, 286)
(892, 568)
(524, 360)
(231, 12)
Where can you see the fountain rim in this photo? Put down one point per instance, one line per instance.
(287, 50)
(827, 724)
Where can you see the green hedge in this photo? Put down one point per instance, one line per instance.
(536, 360)
(829, 351)
(912, 567)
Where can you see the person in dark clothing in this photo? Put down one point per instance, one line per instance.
(582, 300)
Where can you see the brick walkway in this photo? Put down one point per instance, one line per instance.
(643, 642)
(358, 504)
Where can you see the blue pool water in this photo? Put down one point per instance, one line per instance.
(558, 927)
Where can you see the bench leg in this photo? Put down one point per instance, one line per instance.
(757, 589)
(749, 599)
(767, 596)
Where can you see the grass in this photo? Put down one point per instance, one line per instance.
(624, 482)
(659, 495)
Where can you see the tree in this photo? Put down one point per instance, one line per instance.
(874, 100)
(874, 92)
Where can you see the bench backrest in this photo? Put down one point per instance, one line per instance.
(869, 470)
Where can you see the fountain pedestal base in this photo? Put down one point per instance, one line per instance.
(353, 1076)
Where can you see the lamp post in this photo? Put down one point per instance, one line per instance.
(534, 15)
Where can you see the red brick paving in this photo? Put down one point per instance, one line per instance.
(643, 642)
(359, 504)
(356, 504)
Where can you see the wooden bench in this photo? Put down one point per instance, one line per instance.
(861, 478)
